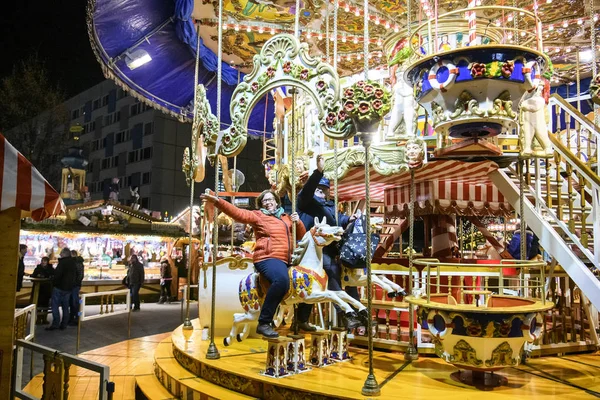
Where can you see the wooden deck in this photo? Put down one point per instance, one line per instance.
(568, 377)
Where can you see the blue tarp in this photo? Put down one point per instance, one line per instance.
(165, 30)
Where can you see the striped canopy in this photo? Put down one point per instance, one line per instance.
(352, 186)
(22, 186)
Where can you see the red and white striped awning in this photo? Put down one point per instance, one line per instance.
(352, 186)
(448, 197)
(22, 186)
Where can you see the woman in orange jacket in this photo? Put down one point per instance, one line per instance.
(272, 253)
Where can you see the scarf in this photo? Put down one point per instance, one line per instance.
(277, 213)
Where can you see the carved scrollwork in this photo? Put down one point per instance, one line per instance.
(385, 160)
(283, 61)
(205, 128)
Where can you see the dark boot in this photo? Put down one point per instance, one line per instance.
(266, 330)
(303, 326)
(351, 320)
(161, 300)
(363, 316)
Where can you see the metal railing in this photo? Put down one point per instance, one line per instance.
(56, 373)
(107, 309)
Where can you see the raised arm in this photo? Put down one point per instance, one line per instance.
(306, 195)
(238, 214)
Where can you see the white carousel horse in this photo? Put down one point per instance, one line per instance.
(308, 282)
(358, 277)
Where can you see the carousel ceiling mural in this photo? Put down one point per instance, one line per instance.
(163, 31)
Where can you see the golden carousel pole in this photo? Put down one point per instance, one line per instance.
(411, 353)
(370, 387)
(213, 353)
(187, 323)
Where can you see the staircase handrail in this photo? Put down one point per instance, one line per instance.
(575, 113)
(579, 165)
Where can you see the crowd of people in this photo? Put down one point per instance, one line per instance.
(60, 287)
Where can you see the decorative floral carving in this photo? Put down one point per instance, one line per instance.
(477, 70)
(463, 353)
(367, 103)
(284, 61)
(502, 356)
(507, 69)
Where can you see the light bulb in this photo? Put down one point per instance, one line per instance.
(510, 18)
(248, 29)
(396, 29)
(376, 21)
(387, 25)
(548, 1)
(272, 31)
(523, 33)
(379, 42)
(343, 39)
(498, 23)
(224, 27)
(261, 30)
(565, 24)
(236, 28)
(320, 36)
(347, 8)
(568, 49)
(579, 21)
(551, 28)
(355, 40)
(357, 12)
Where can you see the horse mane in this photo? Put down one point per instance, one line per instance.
(300, 250)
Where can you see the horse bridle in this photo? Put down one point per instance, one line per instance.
(315, 233)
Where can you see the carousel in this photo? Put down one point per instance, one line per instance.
(445, 124)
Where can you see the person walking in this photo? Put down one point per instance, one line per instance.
(21, 269)
(74, 311)
(135, 276)
(63, 281)
(273, 231)
(165, 281)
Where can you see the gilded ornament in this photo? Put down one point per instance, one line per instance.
(502, 356)
(463, 353)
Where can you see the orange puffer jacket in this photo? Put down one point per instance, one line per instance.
(273, 235)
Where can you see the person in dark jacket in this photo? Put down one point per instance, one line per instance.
(63, 281)
(313, 201)
(21, 270)
(44, 270)
(532, 244)
(165, 281)
(135, 275)
(74, 311)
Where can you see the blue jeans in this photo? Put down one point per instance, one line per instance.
(276, 272)
(60, 298)
(334, 278)
(135, 295)
(74, 303)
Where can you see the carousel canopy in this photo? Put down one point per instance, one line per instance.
(149, 48)
(352, 186)
(23, 187)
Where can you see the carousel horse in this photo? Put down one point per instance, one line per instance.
(358, 276)
(308, 282)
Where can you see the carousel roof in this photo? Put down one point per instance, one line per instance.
(163, 32)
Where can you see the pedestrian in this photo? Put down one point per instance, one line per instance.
(44, 270)
(63, 281)
(21, 270)
(74, 311)
(165, 281)
(532, 244)
(135, 276)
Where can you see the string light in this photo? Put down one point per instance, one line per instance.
(565, 24)
(579, 21)
(347, 8)
(261, 30)
(224, 27)
(248, 29)
(355, 41)
(236, 28)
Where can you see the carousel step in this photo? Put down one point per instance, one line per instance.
(183, 384)
(151, 388)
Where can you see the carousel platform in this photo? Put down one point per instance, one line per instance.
(173, 366)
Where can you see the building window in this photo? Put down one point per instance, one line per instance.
(147, 153)
(145, 202)
(121, 94)
(122, 136)
(110, 162)
(75, 114)
(135, 109)
(146, 177)
(96, 104)
(105, 101)
(148, 129)
(112, 118)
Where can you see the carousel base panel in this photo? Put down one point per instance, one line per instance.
(147, 368)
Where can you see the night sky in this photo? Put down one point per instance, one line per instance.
(57, 31)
